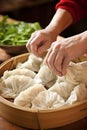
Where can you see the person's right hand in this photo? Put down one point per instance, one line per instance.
(40, 41)
(62, 52)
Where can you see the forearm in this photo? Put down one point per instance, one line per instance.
(61, 20)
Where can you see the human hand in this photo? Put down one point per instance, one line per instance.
(40, 41)
(62, 52)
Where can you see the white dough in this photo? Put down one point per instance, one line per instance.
(64, 89)
(47, 100)
(78, 94)
(13, 85)
(25, 97)
(18, 71)
(78, 72)
(33, 63)
(44, 75)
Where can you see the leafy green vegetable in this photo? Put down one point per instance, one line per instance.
(16, 33)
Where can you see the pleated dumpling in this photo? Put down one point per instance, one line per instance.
(33, 63)
(77, 72)
(13, 85)
(25, 97)
(47, 100)
(44, 75)
(18, 71)
(64, 89)
(79, 93)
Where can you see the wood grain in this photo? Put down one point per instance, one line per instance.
(80, 125)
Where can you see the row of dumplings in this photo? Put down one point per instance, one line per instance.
(33, 85)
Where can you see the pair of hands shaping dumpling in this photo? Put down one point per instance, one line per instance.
(60, 52)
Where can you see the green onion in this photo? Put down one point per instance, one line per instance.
(16, 33)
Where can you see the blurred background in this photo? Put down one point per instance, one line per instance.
(40, 11)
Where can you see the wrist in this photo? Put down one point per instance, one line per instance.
(53, 31)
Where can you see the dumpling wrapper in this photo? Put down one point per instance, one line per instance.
(18, 71)
(44, 75)
(77, 72)
(47, 100)
(78, 94)
(64, 89)
(25, 97)
(33, 63)
(13, 85)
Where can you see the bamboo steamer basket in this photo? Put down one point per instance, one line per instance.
(38, 119)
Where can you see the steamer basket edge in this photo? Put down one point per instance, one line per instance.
(38, 119)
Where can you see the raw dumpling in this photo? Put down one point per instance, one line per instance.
(78, 71)
(64, 89)
(78, 94)
(13, 85)
(70, 77)
(33, 63)
(44, 75)
(18, 71)
(25, 97)
(47, 100)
